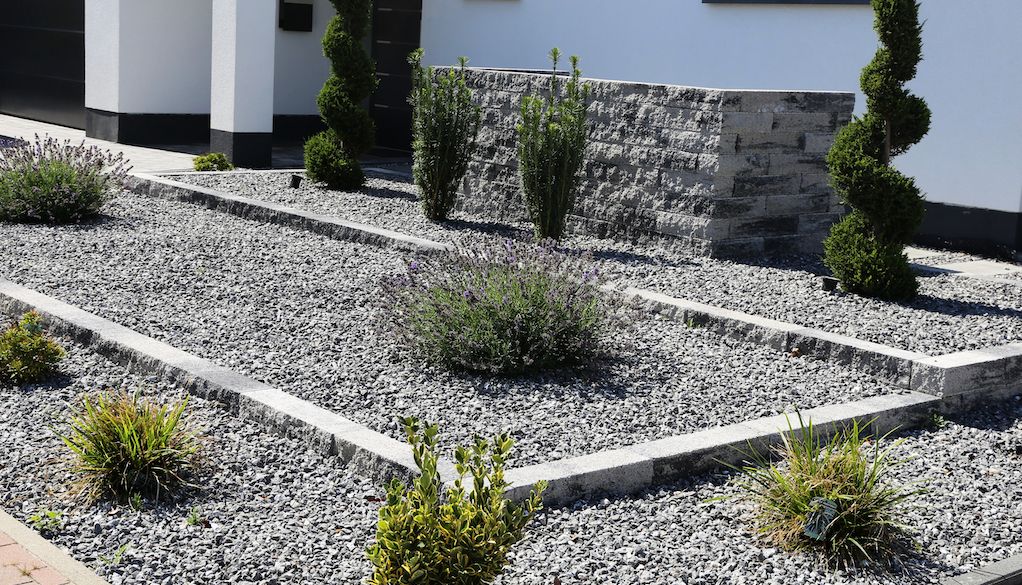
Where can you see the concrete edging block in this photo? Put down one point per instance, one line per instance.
(1006, 572)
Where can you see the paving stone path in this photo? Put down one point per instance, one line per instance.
(28, 559)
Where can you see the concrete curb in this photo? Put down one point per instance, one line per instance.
(58, 560)
(1006, 572)
(255, 209)
(635, 468)
(371, 453)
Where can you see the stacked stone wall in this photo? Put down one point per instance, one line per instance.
(722, 172)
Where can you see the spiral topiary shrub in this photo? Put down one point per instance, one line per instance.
(865, 250)
(332, 155)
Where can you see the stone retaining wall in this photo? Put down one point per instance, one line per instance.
(724, 172)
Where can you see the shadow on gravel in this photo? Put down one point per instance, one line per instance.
(958, 308)
(101, 223)
(388, 193)
(488, 227)
(602, 378)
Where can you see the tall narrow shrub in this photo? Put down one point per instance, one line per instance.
(866, 249)
(332, 155)
(445, 124)
(552, 138)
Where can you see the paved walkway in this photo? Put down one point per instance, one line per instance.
(143, 160)
(29, 559)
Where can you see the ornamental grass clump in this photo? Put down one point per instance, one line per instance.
(500, 309)
(429, 535)
(445, 124)
(125, 446)
(835, 497)
(27, 354)
(865, 250)
(49, 181)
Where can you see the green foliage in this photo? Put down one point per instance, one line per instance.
(834, 497)
(27, 354)
(445, 124)
(865, 251)
(427, 535)
(46, 521)
(500, 310)
(117, 557)
(332, 156)
(214, 161)
(867, 265)
(552, 139)
(128, 448)
(56, 182)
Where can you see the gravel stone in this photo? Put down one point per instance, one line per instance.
(969, 517)
(276, 512)
(952, 313)
(293, 310)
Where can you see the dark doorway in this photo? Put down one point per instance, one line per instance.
(42, 60)
(396, 33)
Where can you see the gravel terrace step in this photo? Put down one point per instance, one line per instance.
(952, 312)
(970, 517)
(293, 309)
(277, 512)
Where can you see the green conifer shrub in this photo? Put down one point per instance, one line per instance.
(332, 155)
(214, 161)
(428, 535)
(552, 139)
(445, 124)
(865, 250)
(27, 354)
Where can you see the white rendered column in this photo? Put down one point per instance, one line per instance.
(241, 109)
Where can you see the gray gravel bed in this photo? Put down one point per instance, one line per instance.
(970, 517)
(293, 309)
(952, 312)
(277, 513)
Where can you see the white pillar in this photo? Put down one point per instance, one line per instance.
(147, 70)
(241, 109)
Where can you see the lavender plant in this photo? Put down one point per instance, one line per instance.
(552, 139)
(503, 309)
(51, 181)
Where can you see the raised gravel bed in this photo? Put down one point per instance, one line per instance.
(969, 518)
(952, 313)
(277, 512)
(293, 309)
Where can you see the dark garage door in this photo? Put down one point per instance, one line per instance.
(42, 60)
(396, 30)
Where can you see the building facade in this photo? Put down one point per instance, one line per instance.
(243, 72)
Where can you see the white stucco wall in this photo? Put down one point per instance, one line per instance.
(148, 56)
(241, 99)
(300, 66)
(970, 77)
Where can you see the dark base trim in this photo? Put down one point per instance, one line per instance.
(987, 232)
(146, 129)
(294, 128)
(244, 149)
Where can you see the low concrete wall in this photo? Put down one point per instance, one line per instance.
(724, 172)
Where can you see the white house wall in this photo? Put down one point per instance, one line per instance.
(970, 77)
(301, 67)
(148, 56)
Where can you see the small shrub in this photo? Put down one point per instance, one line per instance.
(27, 354)
(552, 138)
(46, 521)
(56, 182)
(499, 309)
(834, 497)
(324, 165)
(128, 448)
(460, 536)
(865, 264)
(445, 125)
(214, 161)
